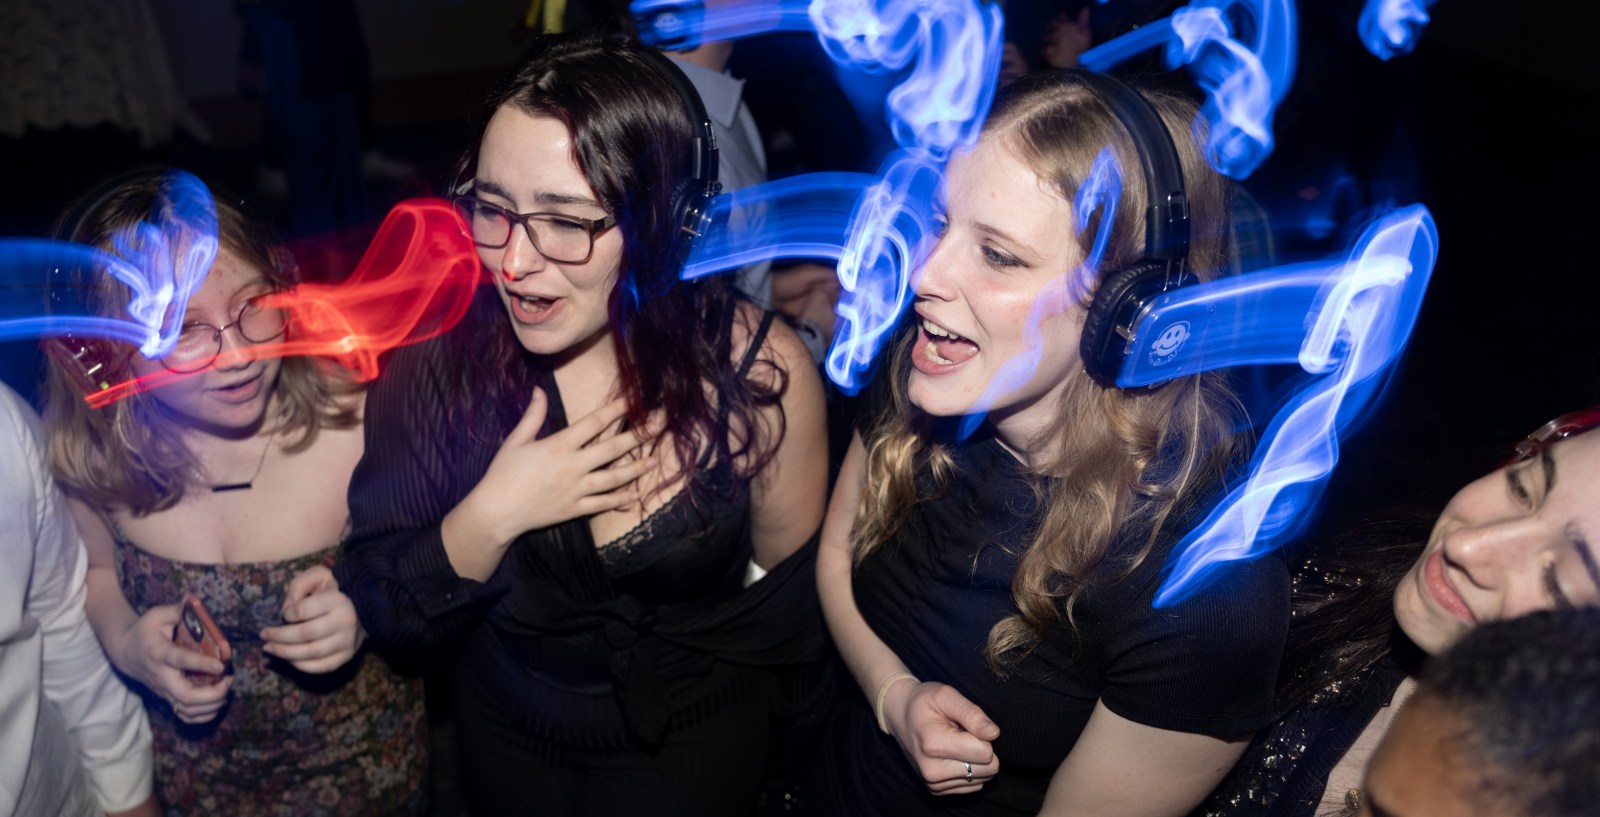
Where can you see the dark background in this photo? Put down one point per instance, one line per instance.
(1490, 123)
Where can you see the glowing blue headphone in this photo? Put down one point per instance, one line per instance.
(691, 197)
(1123, 293)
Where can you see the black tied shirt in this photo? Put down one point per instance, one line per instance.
(933, 592)
(554, 608)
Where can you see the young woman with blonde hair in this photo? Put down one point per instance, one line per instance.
(230, 485)
(992, 595)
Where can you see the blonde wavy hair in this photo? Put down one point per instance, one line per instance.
(1129, 458)
(130, 454)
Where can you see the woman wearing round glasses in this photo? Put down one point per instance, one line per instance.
(583, 485)
(229, 485)
(1372, 603)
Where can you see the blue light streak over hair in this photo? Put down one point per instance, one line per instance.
(1391, 28)
(1101, 189)
(163, 264)
(1245, 73)
(953, 48)
(1345, 322)
(892, 229)
(806, 216)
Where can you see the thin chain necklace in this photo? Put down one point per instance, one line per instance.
(244, 486)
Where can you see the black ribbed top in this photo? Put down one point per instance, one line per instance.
(933, 592)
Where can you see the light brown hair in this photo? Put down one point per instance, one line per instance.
(130, 453)
(1128, 458)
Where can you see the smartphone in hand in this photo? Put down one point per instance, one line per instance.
(196, 631)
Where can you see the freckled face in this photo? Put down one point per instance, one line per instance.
(1523, 538)
(231, 394)
(1007, 239)
(526, 165)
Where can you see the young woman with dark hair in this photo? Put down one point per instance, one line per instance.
(585, 484)
(993, 596)
(1370, 604)
(230, 485)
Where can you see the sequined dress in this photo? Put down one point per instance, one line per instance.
(348, 742)
(1284, 772)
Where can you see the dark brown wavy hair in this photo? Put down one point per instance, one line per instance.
(129, 454)
(1130, 459)
(631, 139)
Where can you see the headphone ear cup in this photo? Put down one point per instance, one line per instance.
(691, 218)
(1101, 348)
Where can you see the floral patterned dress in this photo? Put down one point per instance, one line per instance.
(348, 742)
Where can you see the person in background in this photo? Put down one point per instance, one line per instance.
(1373, 602)
(1506, 723)
(1013, 66)
(74, 741)
(230, 485)
(1066, 37)
(741, 160)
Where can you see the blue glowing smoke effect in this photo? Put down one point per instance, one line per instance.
(806, 216)
(953, 49)
(892, 230)
(1242, 52)
(685, 24)
(1102, 189)
(955, 46)
(1345, 321)
(162, 263)
(952, 46)
(1391, 28)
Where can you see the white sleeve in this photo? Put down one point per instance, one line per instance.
(107, 722)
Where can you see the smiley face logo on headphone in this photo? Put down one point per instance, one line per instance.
(1165, 347)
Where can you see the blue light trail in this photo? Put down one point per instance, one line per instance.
(1245, 69)
(1346, 322)
(162, 263)
(1391, 28)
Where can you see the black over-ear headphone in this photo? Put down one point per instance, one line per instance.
(1108, 327)
(691, 197)
(89, 362)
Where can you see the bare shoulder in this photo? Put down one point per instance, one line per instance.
(782, 349)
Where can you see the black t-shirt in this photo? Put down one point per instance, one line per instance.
(1207, 665)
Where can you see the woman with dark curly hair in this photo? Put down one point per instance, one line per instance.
(602, 485)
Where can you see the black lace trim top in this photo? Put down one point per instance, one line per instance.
(641, 623)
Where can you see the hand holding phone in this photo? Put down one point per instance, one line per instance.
(196, 631)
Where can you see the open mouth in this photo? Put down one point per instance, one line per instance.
(533, 308)
(943, 347)
(239, 392)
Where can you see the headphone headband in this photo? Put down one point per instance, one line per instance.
(704, 167)
(1166, 226)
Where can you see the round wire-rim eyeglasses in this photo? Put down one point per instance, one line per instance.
(254, 323)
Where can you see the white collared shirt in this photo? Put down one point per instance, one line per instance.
(58, 694)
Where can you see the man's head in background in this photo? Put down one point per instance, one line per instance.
(1507, 722)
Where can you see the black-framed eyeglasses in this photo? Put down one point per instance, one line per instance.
(1567, 425)
(558, 237)
(200, 343)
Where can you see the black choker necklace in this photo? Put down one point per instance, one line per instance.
(242, 486)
